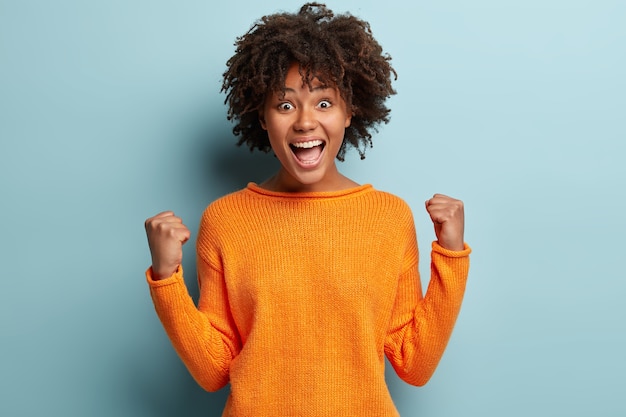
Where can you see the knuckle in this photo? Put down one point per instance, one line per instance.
(161, 228)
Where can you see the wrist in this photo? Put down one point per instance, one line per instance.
(456, 246)
(159, 273)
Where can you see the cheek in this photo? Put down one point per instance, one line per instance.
(275, 137)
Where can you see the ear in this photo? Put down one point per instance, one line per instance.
(348, 120)
(262, 120)
(349, 114)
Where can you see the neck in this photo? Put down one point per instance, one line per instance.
(281, 182)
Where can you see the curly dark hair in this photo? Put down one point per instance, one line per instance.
(338, 50)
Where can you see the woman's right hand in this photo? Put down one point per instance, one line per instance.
(166, 236)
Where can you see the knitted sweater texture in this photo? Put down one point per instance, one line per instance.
(301, 297)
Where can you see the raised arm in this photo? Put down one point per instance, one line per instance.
(422, 325)
(203, 336)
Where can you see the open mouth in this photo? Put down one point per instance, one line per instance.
(308, 152)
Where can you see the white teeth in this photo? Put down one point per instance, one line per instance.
(307, 144)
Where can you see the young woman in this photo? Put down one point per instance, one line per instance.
(308, 279)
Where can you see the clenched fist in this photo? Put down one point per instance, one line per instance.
(449, 221)
(166, 236)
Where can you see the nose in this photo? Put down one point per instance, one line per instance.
(306, 120)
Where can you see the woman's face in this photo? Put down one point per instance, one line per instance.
(306, 129)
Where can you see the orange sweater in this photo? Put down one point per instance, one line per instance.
(302, 296)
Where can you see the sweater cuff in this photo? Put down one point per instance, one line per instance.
(172, 279)
(437, 248)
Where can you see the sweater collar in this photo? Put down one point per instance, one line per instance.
(255, 188)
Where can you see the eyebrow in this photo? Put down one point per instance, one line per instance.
(319, 88)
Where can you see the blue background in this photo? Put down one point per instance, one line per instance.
(110, 111)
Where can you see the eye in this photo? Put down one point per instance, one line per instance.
(286, 106)
(325, 104)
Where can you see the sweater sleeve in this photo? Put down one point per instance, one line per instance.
(203, 336)
(422, 325)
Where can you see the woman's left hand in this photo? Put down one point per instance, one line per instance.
(449, 221)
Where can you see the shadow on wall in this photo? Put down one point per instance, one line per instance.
(227, 167)
(179, 395)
